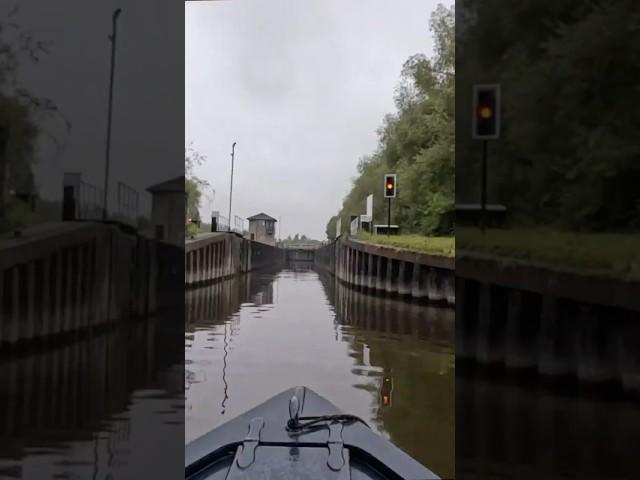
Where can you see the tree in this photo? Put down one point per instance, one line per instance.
(331, 228)
(572, 163)
(20, 113)
(193, 184)
(416, 142)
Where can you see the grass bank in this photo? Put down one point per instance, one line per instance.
(613, 254)
(445, 246)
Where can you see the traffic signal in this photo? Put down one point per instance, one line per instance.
(486, 112)
(390, 185)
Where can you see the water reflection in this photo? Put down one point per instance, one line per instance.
(529, 431)
(387, 361)
(408, 350)
(84, 409)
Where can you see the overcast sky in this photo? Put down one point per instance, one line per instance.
(147, 142)
(301, 86)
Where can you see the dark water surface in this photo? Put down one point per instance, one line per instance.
(524, 429)
(88, 409)
(387, 361)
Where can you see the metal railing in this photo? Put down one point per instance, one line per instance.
(223, 223)
(128, 203)
(238, 224)
(89, 202)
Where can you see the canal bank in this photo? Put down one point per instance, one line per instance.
(547, 375)
(555, 323)
(389, 270)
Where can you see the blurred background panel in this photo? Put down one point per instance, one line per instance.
(91, 290)
(547, 237)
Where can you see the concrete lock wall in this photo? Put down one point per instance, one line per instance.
(77, 276)
(214, 257)
(170, 274)
(390, 270)
(263, 255)
(518, 316)
(552, 323)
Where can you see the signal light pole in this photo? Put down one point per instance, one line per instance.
(483, 190)
(389, 192)
(485, 127)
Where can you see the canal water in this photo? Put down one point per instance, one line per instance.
(519, 428)
(387, 361)
(87, 409)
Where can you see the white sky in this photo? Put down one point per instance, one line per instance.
(301, 86)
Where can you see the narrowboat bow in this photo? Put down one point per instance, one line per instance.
(298, 435)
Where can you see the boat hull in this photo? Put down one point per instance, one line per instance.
(272, 452)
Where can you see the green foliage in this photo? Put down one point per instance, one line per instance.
(17, 126)
(416, 143)
(193, 198)
(330, 230)
(590, 252)
(445, 246)
(569, 154)
(193, 185)
(191, 231)
(20, 115)
(16, 122)
(16, 216)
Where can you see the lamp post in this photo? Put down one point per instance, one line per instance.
(112, 37)
(233, 147)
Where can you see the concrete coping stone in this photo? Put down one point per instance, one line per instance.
(43, 241)
(411, 256)
(580, 286)
(206, 239)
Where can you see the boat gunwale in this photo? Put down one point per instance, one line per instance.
(206, 458)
